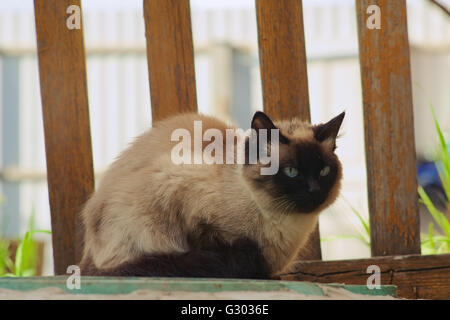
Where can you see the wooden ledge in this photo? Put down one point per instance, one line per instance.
(416, 276)
(189, 288)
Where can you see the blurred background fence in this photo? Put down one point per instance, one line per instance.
(228, 85)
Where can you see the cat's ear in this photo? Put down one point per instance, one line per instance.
(326, 133)
(262, 121)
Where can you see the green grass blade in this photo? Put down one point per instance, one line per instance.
(443, 156)
(41, 231)
(18, 263)
(430, 236)
(29, 254)
(438, 216)
(26, 255)
(363, 222)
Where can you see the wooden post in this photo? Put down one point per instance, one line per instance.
(170, 56)
(389, 132)
(64, 96)
(283, 71)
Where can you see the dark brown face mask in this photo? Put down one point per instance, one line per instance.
(308, 170)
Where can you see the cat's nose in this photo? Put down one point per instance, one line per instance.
(313, 186)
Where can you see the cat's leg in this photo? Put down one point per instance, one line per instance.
(242, 259)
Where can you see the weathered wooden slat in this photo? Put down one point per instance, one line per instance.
(170, 57)
(284, 76)
(389, 133)
(283, 58)
(416, 276)
(62, 72)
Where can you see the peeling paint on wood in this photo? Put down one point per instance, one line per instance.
(389, 132)
(100, 285)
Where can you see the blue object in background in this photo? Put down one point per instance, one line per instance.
(429, 179)
(428, 175)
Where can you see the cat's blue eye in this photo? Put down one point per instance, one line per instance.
(325, 171)
(290, 172)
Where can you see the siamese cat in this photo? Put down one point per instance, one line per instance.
(152, 217)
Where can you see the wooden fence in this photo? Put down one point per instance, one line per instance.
(388, 122)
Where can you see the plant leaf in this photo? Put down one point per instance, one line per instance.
(438, 216)
(363, 222)
(443, 157)
(430, 236)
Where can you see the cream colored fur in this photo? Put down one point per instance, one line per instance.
(146, 204)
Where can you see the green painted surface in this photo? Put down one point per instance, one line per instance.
(105, 285)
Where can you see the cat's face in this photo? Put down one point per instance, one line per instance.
(309, 174)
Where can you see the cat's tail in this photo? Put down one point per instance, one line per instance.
(238, 260)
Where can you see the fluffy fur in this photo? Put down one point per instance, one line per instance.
(152, 217)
